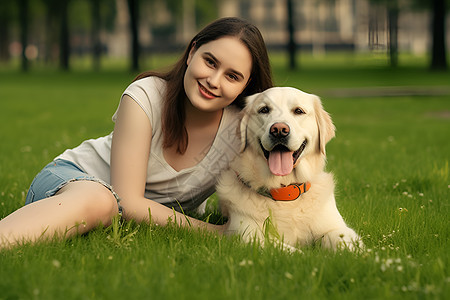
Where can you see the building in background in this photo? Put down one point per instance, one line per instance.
(321, 26)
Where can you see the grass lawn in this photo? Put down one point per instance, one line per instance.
(390, 159)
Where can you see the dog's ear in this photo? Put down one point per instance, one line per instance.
(244, 120)
(324, 124)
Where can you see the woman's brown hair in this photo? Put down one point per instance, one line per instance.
(173, 113)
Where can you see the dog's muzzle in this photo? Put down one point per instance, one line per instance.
(281, 159)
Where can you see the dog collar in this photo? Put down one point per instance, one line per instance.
(285, 193)
(290, 192)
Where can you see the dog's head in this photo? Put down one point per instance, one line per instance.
(285, 124)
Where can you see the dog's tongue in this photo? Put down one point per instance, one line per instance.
(281, 162)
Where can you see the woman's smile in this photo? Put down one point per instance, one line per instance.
(205, 92)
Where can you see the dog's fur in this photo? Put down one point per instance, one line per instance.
(311, 218)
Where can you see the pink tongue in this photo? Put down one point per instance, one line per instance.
(281, 162)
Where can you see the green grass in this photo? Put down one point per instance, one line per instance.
(391, 164)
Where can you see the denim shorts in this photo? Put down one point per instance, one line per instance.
(55, 176)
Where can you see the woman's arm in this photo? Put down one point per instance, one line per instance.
(130, 152)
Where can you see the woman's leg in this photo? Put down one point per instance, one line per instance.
(77, 208)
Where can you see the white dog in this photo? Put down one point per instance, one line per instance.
(277, 185)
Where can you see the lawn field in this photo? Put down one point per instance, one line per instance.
(390, 159)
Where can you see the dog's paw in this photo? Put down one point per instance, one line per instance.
(343, 238)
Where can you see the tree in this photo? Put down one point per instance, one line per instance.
(437, 29)
(438, 49)
(95, 33)
(23, 17)
(393, 12)
(7, 14)
(292, 47)
(64, 46)
(57, 30)
(392, 7)
(133, 7)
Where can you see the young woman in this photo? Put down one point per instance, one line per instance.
(174, 132)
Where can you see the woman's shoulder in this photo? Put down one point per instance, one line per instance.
(149, 89)
(148, 94)
(150, 83)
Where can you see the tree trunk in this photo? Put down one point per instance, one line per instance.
(95, 34)
(64, 46)
(393, 32)
(292, 47)
(23, 16)
(48, 55)
(133, 7)
(438, 52)
(5, 21)
(4, 39)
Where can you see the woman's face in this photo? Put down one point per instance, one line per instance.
(217, 73)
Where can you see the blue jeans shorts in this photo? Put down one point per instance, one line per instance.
(55, 176)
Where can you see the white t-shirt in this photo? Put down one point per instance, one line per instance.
(188, 187)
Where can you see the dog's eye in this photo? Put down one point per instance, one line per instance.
(264, 110)
(299, 111)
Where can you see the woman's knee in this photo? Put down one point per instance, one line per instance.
(104, 203)
(98, 202)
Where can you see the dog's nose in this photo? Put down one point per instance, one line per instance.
(279, 130)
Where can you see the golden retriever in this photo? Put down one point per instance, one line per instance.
(277, 186)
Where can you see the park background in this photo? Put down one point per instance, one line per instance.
(380, 68)
(49, 32)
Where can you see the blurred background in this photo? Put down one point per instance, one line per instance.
(57, 33)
